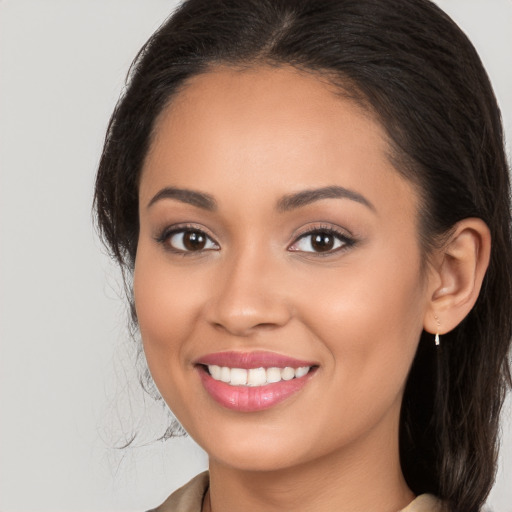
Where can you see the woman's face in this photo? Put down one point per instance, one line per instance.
(274, 232)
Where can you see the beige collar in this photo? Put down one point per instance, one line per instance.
(189, 498)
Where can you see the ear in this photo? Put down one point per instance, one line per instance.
(457, 273)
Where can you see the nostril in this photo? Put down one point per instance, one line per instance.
(266, 325)
(242, 329)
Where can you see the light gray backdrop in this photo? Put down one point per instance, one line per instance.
(65, 355)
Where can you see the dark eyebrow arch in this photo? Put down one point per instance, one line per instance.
(199, 199)
(305, 197)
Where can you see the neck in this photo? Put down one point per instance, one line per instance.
(364, 476)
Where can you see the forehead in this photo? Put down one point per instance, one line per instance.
(274, 130)
(267, 101)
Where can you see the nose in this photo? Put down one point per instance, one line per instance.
(249, 296)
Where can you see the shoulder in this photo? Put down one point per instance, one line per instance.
(188, 498)
(424, 503)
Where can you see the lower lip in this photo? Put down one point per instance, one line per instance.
(251, 399)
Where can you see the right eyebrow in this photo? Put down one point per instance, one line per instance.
(305, 197)
(185, 195)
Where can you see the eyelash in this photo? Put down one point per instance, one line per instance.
(345, 241)
(169, 232)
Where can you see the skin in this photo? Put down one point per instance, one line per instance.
(248, 139)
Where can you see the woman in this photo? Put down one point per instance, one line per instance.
(312, 199)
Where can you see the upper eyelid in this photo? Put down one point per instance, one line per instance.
(167, 231)
(344, 233)
(347, 241)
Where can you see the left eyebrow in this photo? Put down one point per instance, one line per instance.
(185, 195)
(305, 197)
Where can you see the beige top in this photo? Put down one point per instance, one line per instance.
(189, 498)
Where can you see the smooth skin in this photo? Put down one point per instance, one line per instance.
(246, 141)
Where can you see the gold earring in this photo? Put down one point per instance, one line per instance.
(436, 339)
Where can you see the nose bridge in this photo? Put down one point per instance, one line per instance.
(249, 295)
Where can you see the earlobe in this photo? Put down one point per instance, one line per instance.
(459, 270)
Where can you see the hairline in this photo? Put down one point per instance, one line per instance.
(340, 86)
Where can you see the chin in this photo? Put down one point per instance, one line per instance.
(254, 460)
(250, 447)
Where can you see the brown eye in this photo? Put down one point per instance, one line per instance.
(321, 242)
(189, 240)
(194, 240)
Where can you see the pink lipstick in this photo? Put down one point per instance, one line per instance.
(252, 381)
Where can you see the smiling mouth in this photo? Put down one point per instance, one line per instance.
(254, 377)
(253, 382)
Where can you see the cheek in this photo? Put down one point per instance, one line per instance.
(166, 304)
(369, 316)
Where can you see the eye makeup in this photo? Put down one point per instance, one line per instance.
(186, 239)
(317, 240)
(322, 240)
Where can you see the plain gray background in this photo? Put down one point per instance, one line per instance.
(68, 390)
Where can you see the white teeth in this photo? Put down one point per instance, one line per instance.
(255, 376)
(225, 374)
(238, 377)
(288, 373)
(300, 372)
(216, 371)
(273, 375)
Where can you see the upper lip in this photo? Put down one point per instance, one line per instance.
(248, 360)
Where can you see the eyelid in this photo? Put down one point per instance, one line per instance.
(341, 234)
(167, 232)
(323, 226)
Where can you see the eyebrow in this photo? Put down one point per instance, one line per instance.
(285, 204)
(199, 199)
(305, 197)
